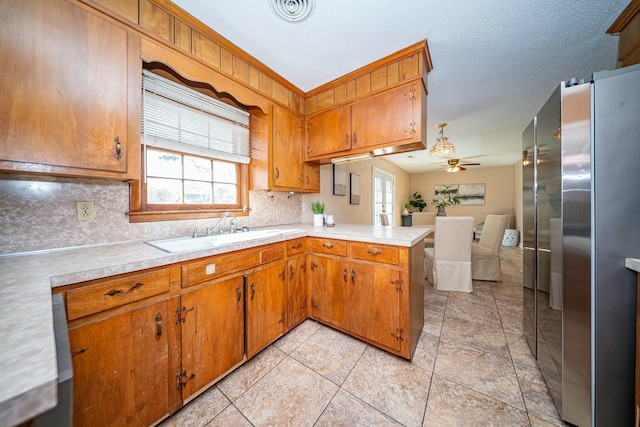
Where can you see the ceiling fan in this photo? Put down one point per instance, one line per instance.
(454, 165)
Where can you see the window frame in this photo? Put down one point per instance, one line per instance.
(140, 211)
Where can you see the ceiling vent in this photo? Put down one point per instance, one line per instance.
(293, 10)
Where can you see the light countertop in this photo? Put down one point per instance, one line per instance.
(28, 373)
(633, 264)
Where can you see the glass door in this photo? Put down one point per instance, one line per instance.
(384, 195)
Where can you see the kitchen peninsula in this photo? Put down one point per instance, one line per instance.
(26, 282)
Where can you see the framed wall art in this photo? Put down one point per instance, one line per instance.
(340, 180)
(354, 192)
(469, 194)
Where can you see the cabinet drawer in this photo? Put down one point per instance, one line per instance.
(329, 246)
(114, 293)
(377, 253)
(220, 265)
(296, 246)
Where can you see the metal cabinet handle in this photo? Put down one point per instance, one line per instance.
(118, 152)
(114, 292)
(158, 326)
(290, 272)
(355, 138)
(185, 310)
(79, 351)
(346, 139)
(277, 173)
(344, 274)
(353, 276)
(253, 290)
(239, 293)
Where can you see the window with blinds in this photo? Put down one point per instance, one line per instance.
(179, 118)
(194, 147)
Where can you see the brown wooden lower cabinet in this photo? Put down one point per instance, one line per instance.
(265, 305)
(120, 368)
(296, 290)
(372, 293)
(212, 333)
(145, 343)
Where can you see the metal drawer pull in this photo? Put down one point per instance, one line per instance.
(158, 326)
(296, 246)
(114, 292)
(328, 245)
(374, 251)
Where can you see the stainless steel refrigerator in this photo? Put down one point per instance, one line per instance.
(581, 219)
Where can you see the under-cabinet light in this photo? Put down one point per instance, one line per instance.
(354, 158)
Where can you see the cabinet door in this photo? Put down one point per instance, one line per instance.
(385, 118)
(288, 155)
(212, 333)
(265, 307)
(296, 290)
(329, 291)
(329, 132)
(312, 178)
(375, 304)
(64, 86)
(120, 368)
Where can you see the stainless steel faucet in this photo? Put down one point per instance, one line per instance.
(232, 223)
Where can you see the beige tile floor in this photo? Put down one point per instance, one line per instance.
(472, 367)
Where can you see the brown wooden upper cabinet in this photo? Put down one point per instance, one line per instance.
(390, 121)
(66, 91)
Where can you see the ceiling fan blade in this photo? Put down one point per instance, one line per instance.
(469, 164)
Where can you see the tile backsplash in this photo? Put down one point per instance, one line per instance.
(39, 213)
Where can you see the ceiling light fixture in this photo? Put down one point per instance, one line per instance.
(354, 158)
(525, 158)
(442, 147)
(292, 10)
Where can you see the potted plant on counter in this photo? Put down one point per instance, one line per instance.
(445, 197)
(317, 209)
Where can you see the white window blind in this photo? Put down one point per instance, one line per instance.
(178, 118)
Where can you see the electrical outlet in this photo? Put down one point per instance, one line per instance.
(85, 211)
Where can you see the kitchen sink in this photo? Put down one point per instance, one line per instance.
(190, 244)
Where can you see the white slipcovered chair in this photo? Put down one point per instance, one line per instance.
(424, 218)
(384, 219)
(485, 255)
(448, 263)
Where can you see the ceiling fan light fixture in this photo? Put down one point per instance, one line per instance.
(292, 10)
(442, 147)
(453, 168)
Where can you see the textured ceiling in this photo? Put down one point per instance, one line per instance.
(494, 62)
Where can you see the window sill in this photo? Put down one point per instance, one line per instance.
(154, 216)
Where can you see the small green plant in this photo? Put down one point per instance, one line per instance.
(417, 201)
(446, 197)
(317, 207)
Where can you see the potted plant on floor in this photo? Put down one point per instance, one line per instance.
(317, 209)
(446, 197)
(417, 201)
